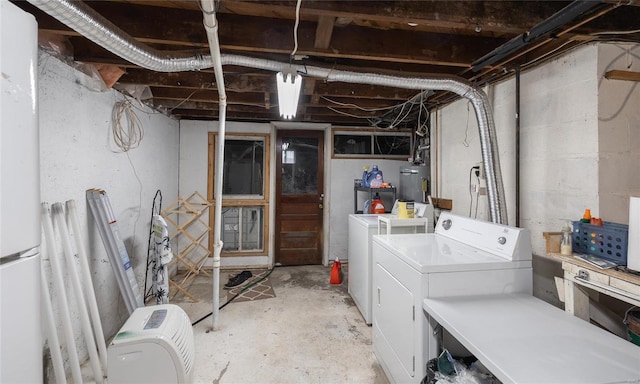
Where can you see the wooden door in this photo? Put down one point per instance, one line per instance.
(299, 197)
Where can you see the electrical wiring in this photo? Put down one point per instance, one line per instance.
(477, 169)
(184, 101)
(475, 216)
(470, 193)
(466, 132)
(615, 32)
(348, 114)
(362, 108)
(295, 29)
(129, 136)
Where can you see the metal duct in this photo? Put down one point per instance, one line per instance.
(96, 28)
(90, 24)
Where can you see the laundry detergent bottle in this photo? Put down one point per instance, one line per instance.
(376, 205)
(365, 177)
(374, 179)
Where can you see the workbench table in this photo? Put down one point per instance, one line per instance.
(622, 285)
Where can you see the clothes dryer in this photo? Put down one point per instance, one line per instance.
(463, 257)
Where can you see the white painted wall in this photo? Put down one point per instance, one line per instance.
(76, 154)
(343, 173)
(618, 131)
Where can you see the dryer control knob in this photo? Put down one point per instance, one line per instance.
(446, 224)
(502, 240)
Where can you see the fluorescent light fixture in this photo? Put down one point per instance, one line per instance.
(289, 85)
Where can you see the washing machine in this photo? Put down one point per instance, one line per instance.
(463, 257)
(361, 229)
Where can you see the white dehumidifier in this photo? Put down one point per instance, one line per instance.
(155, 345)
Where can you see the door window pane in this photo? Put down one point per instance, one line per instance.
(243, 167)
(299, 166)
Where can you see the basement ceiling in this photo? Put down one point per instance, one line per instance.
(399, 38)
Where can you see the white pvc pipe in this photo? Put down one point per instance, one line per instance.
(58, 216)
(58, 281)
(51, 332)
(72, 217)
(211, 26)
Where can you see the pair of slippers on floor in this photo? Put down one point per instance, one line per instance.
(238, 279)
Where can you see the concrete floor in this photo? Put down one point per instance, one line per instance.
(311, 332)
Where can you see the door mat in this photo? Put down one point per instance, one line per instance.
(256, 291)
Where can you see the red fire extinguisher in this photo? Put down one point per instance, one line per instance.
(336, 272)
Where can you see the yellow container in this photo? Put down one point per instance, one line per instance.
(405, 209)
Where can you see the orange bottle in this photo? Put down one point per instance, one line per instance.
(586, 217)
(377, 206)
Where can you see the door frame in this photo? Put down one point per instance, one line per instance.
(281, 125)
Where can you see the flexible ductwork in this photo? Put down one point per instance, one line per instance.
(96, 28)
(90, 24)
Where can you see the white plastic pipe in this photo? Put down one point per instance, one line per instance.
(211, 26)
(58, 281)
(85, 272)
(51, 332)
(58, 216)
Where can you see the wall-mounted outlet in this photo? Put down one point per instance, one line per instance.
(482, 175)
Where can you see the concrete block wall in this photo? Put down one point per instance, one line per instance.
(76, 153)
(618, 131)
(580, 146)
(559, 144)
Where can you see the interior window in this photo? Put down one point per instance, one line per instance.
(371, 144)
(243, 167)
(245, 196)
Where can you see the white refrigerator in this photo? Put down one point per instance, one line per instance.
(21, 338)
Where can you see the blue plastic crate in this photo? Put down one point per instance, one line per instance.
(608, 241)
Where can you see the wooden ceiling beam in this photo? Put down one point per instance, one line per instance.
(199, 80)
(88, 52)
(265, 117)
(622, 75)
(257, 98)
(257, 34)
(496, 17)
(324, 31)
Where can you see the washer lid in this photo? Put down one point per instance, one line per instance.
(430, 253)
(368, 219)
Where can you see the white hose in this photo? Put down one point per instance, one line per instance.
(72, 217)
(51, 332)
(58, 281)
(58, 216)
